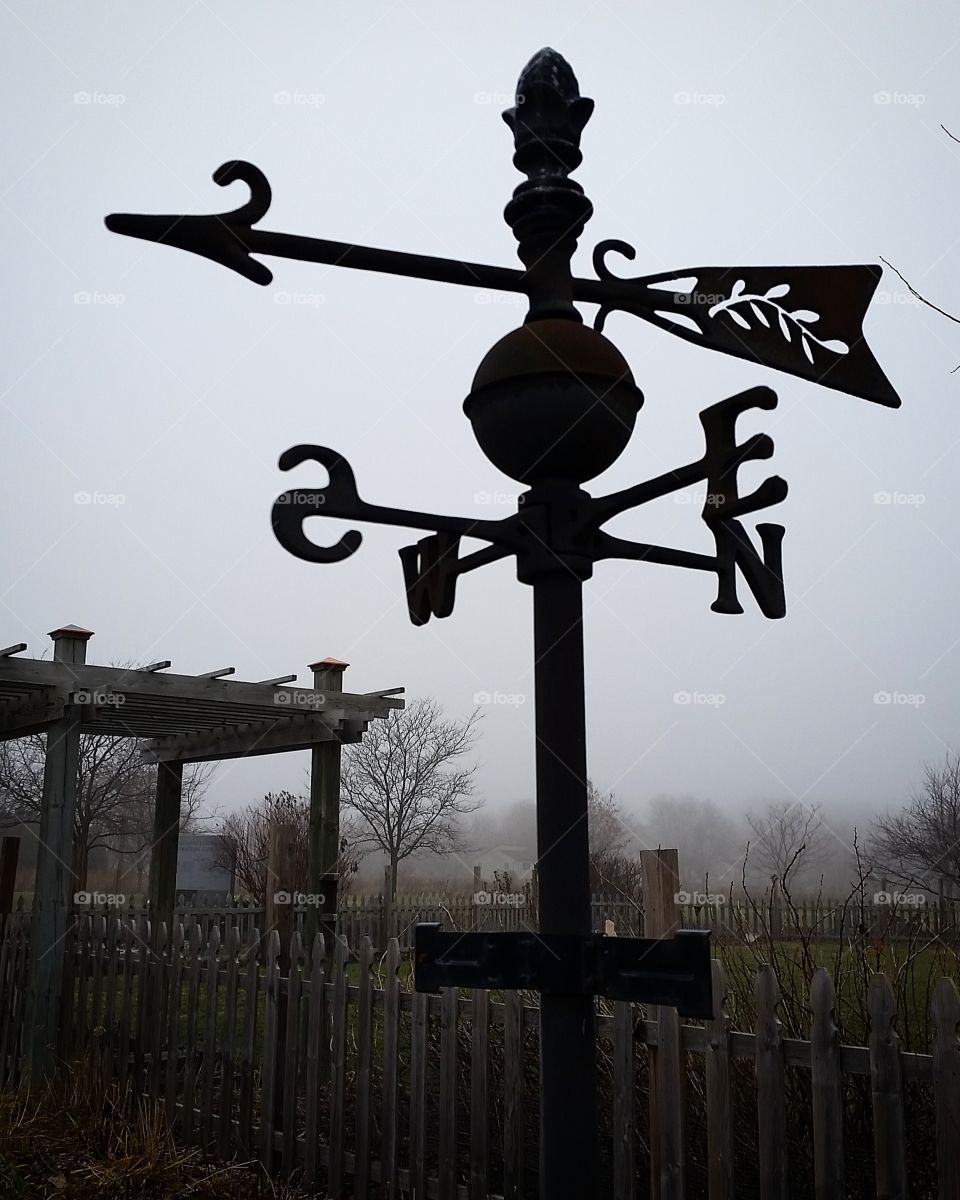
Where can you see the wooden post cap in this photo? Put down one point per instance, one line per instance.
(71, 631)
(327, 664)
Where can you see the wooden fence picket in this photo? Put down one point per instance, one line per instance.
(173, 1019)
(771, 1109)
(190, 1042)
(231, 953)
(512, 1096)
(361, 1174)
(208, 1062)
(113, 962)
(315, 1025)
(946, 1085)
(338, 1070)
(447, 1133)
(418, 1092)
(129, 937)
(250, 967)
(159, 998)
(624, 1117)
(885, 1071)
(826, 1096)
(271, 1022)
(292, 1051)
(391, 1049)
(719, 1093)
(479, 1092)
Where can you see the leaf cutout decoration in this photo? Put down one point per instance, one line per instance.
(759, 314)
(784, 327)
(836, 346)
(777, 291)
(738, 317)
(737, 288)
(806, 348)
(806, 315)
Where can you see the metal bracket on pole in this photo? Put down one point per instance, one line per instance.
(673, 971)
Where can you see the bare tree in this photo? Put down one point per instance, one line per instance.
(406, 783)
(923, 839)
(115, 794)
(244, 842)
(709, 849)
(788, 839)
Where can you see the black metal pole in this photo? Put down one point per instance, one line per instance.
(569, 1143)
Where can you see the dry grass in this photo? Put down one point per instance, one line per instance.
(74, 1142)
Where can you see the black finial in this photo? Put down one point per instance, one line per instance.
(548, 211)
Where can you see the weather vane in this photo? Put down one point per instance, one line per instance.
(553, 404)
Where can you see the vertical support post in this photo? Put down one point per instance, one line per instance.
(9, 854)
(323, 852)
(166, 842)
(54, 881)
(569, 1142)
(660, 872)
(279, 915)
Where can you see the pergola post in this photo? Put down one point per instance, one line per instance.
(324, 848)
(54, 880)
(166, 841)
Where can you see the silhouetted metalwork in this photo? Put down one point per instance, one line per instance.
(672, 971)
(553, 405)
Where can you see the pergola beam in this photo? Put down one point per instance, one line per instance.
(260, 738)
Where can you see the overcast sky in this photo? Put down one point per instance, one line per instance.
(164, 388)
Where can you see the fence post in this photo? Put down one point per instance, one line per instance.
(719, 1093)
(946, 1085)
(660, 872)
(280, 918)
(771, 1109)
(825, 1085)
(885, 1072)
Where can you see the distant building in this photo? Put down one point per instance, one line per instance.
(200, 880)
(513, 861)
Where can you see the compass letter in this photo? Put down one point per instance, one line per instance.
(724, 504)
(430, 575)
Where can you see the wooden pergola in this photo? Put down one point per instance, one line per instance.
(177, 719)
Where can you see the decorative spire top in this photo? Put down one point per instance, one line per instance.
(548, 210)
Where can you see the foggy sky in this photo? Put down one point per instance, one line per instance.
(165, 387)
